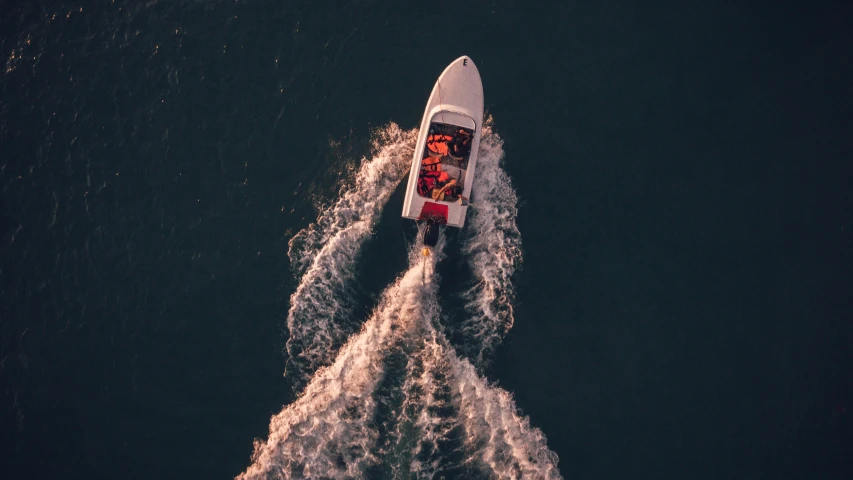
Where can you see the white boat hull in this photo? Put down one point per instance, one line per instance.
(456, 99)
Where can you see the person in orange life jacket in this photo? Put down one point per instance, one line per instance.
(460, 145)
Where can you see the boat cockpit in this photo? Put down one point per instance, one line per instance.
(444, 162)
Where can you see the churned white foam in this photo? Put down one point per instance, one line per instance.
(496, 436)
(324, 254)
(492, 245)
(328, 431)
(398, 401)
(467, 427)
(434, 417)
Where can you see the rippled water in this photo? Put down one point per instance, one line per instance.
(659, 285)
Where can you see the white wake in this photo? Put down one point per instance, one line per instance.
(492, 245)
(361, 417)
(396, 400)
(325, 253)
(326, 432)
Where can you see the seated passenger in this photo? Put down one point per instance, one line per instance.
(452, 193)
(449, 191)
(460, 146)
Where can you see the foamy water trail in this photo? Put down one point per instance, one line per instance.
(492, 245)
(471, 428)
(325, 253)
(429, 436)
(328, 431)
(496, 435)
(398, 401)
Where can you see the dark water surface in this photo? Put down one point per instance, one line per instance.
(685, 309)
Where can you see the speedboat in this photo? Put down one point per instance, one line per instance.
(445, 156)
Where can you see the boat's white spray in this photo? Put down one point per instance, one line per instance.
(324, 254)
(484, 434)
(492, 245)
(398, 401)
(327, 432)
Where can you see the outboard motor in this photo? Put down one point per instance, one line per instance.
(431, 234)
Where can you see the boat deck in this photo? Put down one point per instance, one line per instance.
(444, 162)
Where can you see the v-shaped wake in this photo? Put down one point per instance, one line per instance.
(395, 399)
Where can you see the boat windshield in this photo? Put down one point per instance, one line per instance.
(445, 162)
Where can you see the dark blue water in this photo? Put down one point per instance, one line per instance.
(684, 306)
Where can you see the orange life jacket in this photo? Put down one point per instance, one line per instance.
(460, 146)
(437, 144)
(431, 164)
